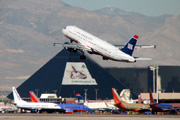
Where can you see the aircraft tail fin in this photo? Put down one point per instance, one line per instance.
(151, 98)
(129, 47)
(33, 96)
(17, 97)
(116, 97)
(80, 98)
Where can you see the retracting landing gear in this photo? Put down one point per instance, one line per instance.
(104, 58)
(82, 57)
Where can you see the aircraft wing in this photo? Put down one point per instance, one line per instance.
(74, 46)
(138, 46)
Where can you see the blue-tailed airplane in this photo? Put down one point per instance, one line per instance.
(84, 41)
(161, 107)
(68, 107)
(81, 100)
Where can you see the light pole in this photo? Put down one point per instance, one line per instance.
(96, 92)
(157, 84)
(85, 94)
(153, 69)
(156, 77)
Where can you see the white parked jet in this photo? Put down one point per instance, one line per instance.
(85, 41)
(35, 107)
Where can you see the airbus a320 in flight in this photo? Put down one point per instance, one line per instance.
(84, 41)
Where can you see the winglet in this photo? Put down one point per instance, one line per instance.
(140, 58)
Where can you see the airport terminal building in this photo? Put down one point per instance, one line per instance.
(65, 74)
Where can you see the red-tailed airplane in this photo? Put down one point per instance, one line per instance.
(128, 106)
(161, 107)
(84, 41)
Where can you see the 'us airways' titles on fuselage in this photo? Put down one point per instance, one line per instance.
(85, 41)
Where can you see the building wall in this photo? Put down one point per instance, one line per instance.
(140, 80)
(135, 79)
(170, 78)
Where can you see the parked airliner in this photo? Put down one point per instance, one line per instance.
(102, 105)
(160, 107)
(35, 107)
(69, 108)
(128, 106)
(84, 41)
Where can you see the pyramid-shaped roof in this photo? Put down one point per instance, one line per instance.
(49, 79)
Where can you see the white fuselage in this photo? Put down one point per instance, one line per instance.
(100, 105)
(39, 106)
(93, 43)
(30, 105)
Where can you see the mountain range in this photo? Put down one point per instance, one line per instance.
(29, 29)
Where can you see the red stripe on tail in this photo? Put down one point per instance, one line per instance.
(115, 96)
(34, 98)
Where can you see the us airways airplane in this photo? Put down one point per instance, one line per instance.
(128, 106)
(35, 107)
(84, 41)
(161, 107)
(69, 108)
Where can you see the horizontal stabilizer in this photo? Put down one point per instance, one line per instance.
(139, 58)
(145, 46)
(138, 47)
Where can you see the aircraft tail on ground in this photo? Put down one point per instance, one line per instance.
(80, 98)
(33, 96)
(129, 47)
(162, 107)
(17, 97)
(151, 98)
(116, 97)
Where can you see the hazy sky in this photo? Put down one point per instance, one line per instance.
(146, 7)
